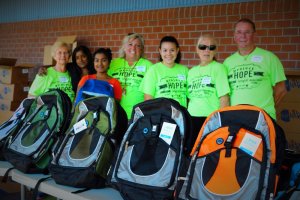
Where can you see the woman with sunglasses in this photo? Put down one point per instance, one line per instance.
(130, 69)
(208, 88)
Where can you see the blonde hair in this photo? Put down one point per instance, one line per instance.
(207, 36)
(125, 41)
(57, 45)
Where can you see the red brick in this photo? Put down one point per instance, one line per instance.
(190, 28)
(273, 47)
(267, 40)
(209, 19)
(280, 40)
(294, 56)
(290, 64)
(275, 32)
(282, 56)
(291, 31)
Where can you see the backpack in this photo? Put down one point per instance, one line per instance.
(29, 148)
(151, 153)
(292, 192)
(237, 155)
(94, 87)
(289, 180)
(13, 123)
(84, 157)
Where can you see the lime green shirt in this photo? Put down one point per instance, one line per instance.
(130, 79)
(162, 81)
(53, 80)
(252, 77)
(206, 84)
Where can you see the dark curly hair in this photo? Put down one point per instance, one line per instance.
(105, 51)
(173, 40)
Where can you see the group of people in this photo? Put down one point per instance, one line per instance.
(249, 76)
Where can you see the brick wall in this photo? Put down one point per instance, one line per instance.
(277, 21)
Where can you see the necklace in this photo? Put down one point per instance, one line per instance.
(246, 56)
(126, 75)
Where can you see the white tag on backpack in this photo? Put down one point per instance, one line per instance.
(167, 131)
(250, 143)
(79, 126)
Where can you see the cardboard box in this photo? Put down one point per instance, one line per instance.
(288, 112)
(14, 74)
(8, 61)
(5, 115)
(293, 86)
(6, 105)
(13, 92)
(48, 60)
(289, 117)
(293, 141)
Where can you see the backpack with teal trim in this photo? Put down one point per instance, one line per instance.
(152, 153)
(29, 148)
(85, 155)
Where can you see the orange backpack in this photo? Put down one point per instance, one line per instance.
(237, 155)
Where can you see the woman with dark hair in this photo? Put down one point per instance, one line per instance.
(82, 64)
(167, 78)
(102, 58)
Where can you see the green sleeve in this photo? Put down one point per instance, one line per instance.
(149, 82)
(39, 85)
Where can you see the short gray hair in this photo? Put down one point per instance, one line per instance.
(57, 45)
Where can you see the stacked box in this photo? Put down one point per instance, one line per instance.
(14, 84)
(288, 112)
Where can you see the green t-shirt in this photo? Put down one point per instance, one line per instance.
(162, 81)
(252, 77)
(130, 79)
(53, 80)
(205, 85)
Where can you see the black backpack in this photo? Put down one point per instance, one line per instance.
(152, 150)
(85, 155)
(29, 148)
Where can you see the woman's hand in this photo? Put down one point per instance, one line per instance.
(42, 71)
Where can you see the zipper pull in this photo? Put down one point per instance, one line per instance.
(126, 146)
(194, 156)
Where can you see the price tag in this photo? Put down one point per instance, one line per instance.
(250, 144)
(80, 126)
(167, 131)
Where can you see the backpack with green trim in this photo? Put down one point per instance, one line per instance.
(29, 148)
(85, 155)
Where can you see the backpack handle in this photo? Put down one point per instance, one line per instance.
(233, 130)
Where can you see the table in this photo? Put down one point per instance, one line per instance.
(61, 191)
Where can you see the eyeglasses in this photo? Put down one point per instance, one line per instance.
(210, 47)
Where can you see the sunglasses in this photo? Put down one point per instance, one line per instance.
(210, 47)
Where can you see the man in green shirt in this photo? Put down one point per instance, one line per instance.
(255, 75)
